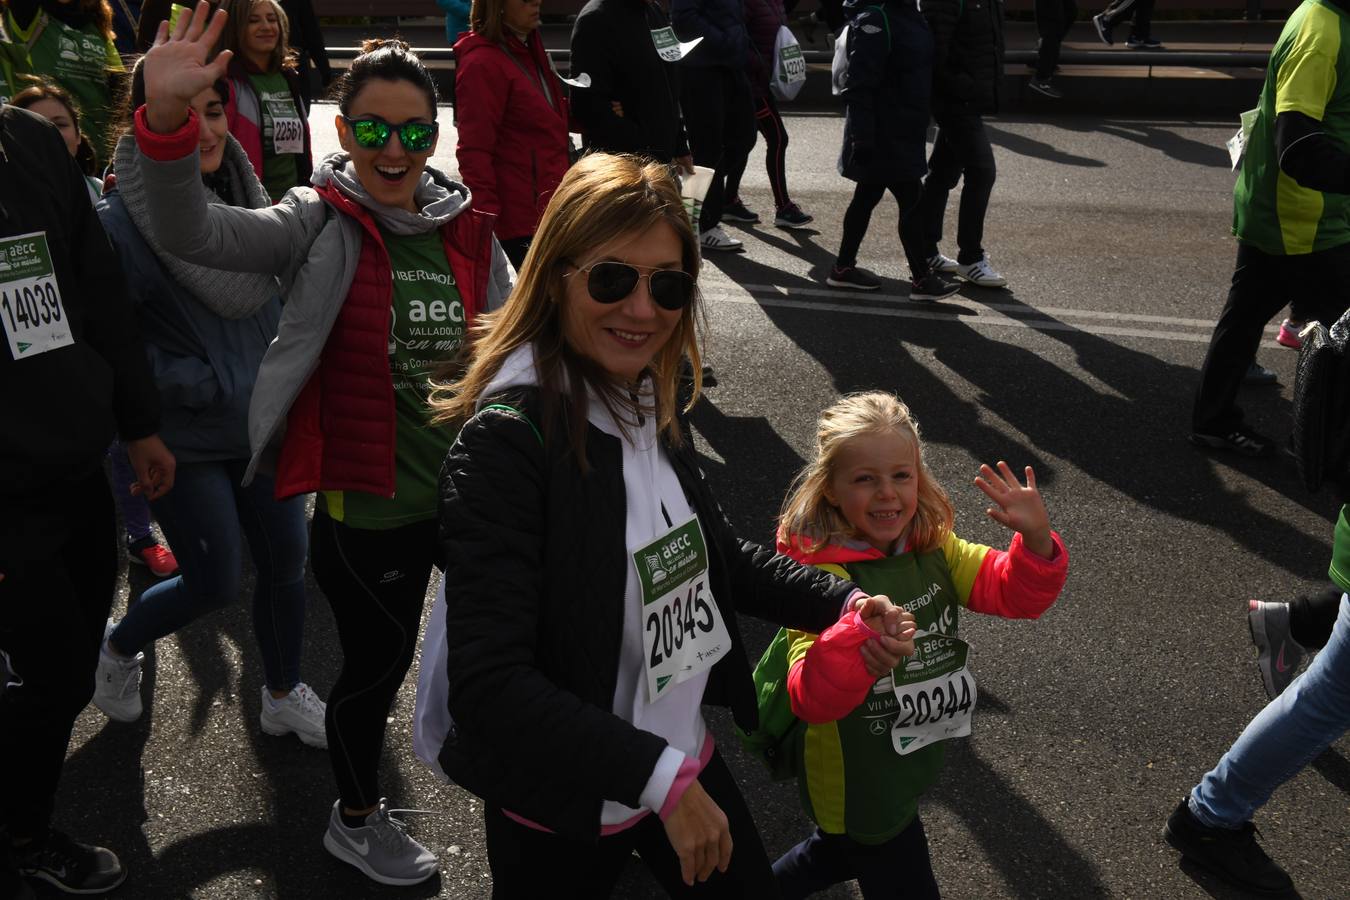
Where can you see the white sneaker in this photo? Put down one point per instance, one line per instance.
(381, 848)
(981, 274)
(117, 685)
(944, 264)
(300, 713)
(717, 239)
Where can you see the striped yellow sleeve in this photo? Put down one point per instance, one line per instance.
(1307, 75)
(964, 559)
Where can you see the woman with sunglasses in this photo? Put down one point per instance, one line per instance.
(385, 266)
(592, 584)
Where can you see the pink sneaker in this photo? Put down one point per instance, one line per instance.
(156, 557)
(1288, 336)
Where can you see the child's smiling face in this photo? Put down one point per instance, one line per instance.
(875, 485)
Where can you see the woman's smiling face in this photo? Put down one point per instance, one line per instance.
(390, 174)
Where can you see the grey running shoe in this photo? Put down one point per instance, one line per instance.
(932, 287)
(1046, 87)
(69, 866)
(1278, 654)
(300, 713)
(1258, 374)
(117, 688)
(381, 848)
(1230, 853)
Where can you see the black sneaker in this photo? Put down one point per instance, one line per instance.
(70, 866)
(1103, 26)
(1241, 440)
(1230, 853)
(1259, 375)
(932, 287)
(735, 211)
(852, 277)
(1148, 43)
(791, 216)
(1044, 86)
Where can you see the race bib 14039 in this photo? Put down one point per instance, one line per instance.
(681, 625)
(31, 313)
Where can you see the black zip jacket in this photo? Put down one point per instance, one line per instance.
(61, 408)
(967, 54)
(535, 571)
(612, 42)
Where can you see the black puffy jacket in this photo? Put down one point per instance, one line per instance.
(535, 571)
(721, 24)
(887, 92)
(967, 54)
(63, 407)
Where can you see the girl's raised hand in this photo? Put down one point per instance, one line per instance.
(1019, 508)
(176, 67)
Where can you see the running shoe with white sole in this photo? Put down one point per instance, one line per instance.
(981, 274)
(381, 848)
(736, 211)
(1289, 335)
(1277, 653)
(791, 216)
(1045, 86)
(299, 713)
(69, 866)
(717, 239)
(1103, 26)
(117, 685)
(932, 287)
(942, 264)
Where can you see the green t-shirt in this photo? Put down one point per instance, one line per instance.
(1340, 552)
(427, 326)
(79, 60)
(1309, 72)
(283, 133)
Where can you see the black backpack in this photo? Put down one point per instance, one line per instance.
(1322, 405)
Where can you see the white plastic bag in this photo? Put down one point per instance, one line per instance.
(789, 66)
(431, 716)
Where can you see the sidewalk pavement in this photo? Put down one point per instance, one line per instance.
(1118, 87)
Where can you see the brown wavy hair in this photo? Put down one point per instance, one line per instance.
(808, 515)
(601, 198)
(283, 55)
(42, 89)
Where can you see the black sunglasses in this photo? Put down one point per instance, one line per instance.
(373, 133)
(610, 282)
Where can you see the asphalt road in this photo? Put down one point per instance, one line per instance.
(1093, 721)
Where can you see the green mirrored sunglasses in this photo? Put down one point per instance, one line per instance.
(373, 133)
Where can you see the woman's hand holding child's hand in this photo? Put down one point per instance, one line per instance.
(895, 633)
(1019, 508)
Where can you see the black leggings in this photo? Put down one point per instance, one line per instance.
(866, 196)
(528, 863)
(1312, 618)
(376, 583)
(769, 121)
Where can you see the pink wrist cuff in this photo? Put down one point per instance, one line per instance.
(166, 147)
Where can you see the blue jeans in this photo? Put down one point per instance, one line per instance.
(203, 517)
(1283, 738)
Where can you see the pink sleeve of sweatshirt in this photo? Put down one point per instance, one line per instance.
(1018, 584)
(167, 147)
(832, 679)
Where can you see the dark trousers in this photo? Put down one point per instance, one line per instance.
(527, 863)
(961, 149)
(866, 196)
(60, 568)
(719, 118)
(516, 248)
(899, 868)
(1054, 18)
(376, 582)
(769, 121)
(1141, 10)
(1262, 284)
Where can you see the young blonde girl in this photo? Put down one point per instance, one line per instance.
(867, 508)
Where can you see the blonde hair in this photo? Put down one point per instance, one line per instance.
(485, 18)
(283, 56)
(601, 198)
(807, 514)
